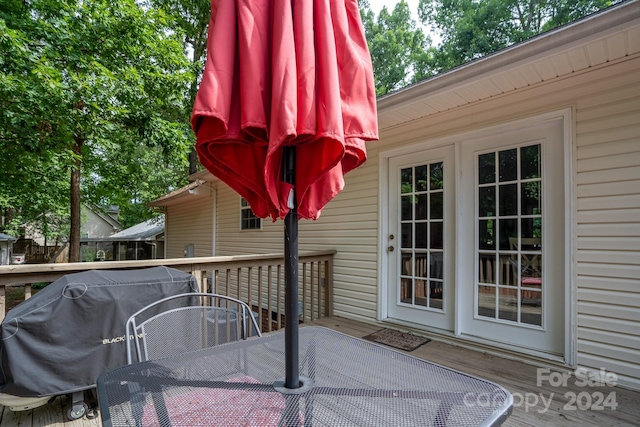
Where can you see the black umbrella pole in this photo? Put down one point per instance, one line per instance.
(291, 344)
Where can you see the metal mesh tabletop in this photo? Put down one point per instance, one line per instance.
(346, 382)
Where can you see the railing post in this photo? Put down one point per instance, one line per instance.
(328, 289)
(3, 303)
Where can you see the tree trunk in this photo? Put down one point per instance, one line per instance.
(199, 45)
(74, 234)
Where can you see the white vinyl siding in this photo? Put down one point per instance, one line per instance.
(608, 228)
(348, 224)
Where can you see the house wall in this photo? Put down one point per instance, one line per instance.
(608, 225)
(349, 224)
(606, 208)
(606, 198)
(190, 222)
(94, 226)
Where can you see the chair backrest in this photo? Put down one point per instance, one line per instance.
(187, 322)
(531, 257)
(526, 242)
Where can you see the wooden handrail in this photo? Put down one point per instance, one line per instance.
(245, 282)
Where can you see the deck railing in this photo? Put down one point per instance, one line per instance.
(255, 279)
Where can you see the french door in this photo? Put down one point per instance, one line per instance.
(420, 242)
(512, 265)
(475, 237)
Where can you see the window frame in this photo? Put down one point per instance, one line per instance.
(251, 222)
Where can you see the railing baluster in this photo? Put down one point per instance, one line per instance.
(314, 304)
(269, 315)
(3, 303)
(260, 316)
(304, 291)
(312, 291)
(278, 296)
(238, 281)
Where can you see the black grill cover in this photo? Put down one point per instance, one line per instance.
(61, 339)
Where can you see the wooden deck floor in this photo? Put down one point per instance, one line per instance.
(518, 377)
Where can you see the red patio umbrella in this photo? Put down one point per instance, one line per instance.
(286, 102)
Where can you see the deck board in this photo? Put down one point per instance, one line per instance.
(516, 376)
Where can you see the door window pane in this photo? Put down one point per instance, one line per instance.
(422, 234)
(421, 178)
(508, 201)
(507, 228)
(436, 178)
(435, 294)
(508, 304)
(406, 208)
(487, 168)
(487, 201)
(531, 198)
(406, 182)
(508, 167)
(420, 297)
(514, 220)
(437, 238)
(487, 301)
(407, 236)
(406, 264)
(486, 268)
(406, 290)
(530, 161)
(486, 234)
(421, 206)
(436, 205)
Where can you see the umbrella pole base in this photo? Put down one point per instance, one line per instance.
(306, 384)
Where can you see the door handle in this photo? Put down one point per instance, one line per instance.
(390, 249)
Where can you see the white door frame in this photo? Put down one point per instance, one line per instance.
(567, 116)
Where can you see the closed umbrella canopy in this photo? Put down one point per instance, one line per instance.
(285, 73)
(286, 103)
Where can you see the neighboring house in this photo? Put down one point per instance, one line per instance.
(6, 248)
(500, 208)
(96, 223)
(141, 241)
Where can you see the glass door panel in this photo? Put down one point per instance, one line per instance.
(421, 192)
(509, 224)
(419, 285)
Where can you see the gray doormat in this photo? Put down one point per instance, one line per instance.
(397, 339)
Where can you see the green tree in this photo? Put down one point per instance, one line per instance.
(471, 29)
(192, 18)
(89, 86)
(398, 47)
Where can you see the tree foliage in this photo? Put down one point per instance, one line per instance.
(191, 17)
(97, 87)
(95, 96)
(471, 29)
(398, 47)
